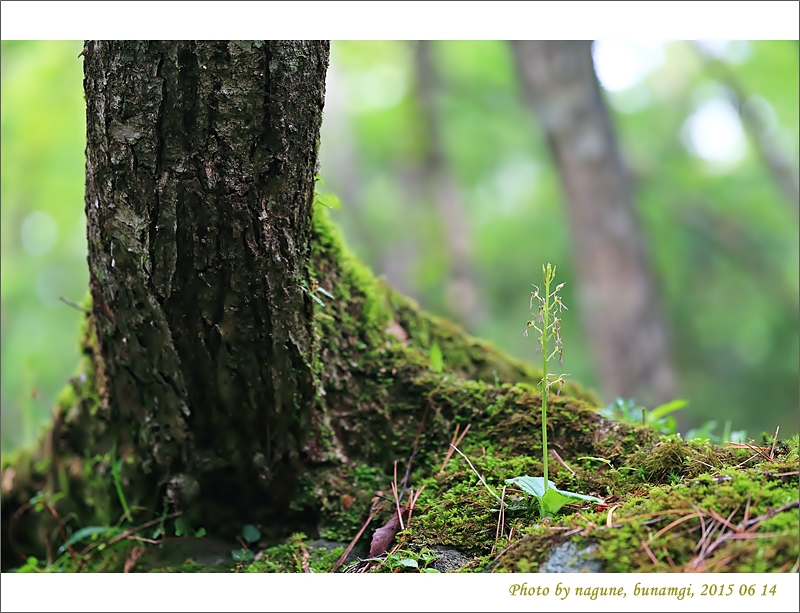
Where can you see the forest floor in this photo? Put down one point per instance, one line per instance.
(668, 505)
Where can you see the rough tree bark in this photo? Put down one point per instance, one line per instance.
(199, 186)
(616, 285)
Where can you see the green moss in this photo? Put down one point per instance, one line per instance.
(379, 402)
(674, 459)
(340, 498)
(295, 555)
(667, 518)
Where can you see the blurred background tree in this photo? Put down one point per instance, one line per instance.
(616, 286)
(449, 189)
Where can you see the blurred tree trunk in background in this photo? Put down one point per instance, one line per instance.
(615, 283)
(438, 187)
(200, 171)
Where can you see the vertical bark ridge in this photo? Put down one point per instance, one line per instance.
(200, 174)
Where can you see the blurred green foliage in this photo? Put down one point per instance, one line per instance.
(43, 228)
(723, 240)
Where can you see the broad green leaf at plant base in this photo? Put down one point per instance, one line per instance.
(552, 499)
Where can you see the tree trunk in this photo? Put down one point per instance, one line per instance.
(438, 187)
(616, 285)
(201, 159)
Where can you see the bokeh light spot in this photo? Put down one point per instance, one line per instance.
(39, 233)
(714, 132)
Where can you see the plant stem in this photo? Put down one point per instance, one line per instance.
(118, 482)
(545, 330)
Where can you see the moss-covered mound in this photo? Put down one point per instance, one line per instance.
(382, 490)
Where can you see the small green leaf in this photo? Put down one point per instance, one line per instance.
(181, 527)
(317, 300)
(409, 563)
(577, 496)
(665, 409)
(533, 486)
(552, 501)
(324, 292)
(200, 533)
(329, 200)
(429, 570)
(89, 531)
(250, 533)
(437, 361)
(242, 555)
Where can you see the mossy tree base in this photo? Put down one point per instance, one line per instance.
(381, 400)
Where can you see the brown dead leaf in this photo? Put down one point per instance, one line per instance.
(133, 557)
(383, 536)
(347, 501)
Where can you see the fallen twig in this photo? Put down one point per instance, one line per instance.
(772, 513)
(396, 498)
(373, 511)
(125, 534)
(669, 527)
(771, 474)
(669, 558)
(774, 440)
(720, 563)
(413, 503)
(133, 557)
(63, 532)
(486, 485)
(726, 522)
(554, 453)
(649, 553)
(454, 442)
(500, 519)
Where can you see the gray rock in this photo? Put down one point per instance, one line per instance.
(570, 558)
(448, 560)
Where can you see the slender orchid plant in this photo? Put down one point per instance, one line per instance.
(548, 324)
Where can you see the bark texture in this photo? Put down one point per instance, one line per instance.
(201, 159)
(616, 285)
